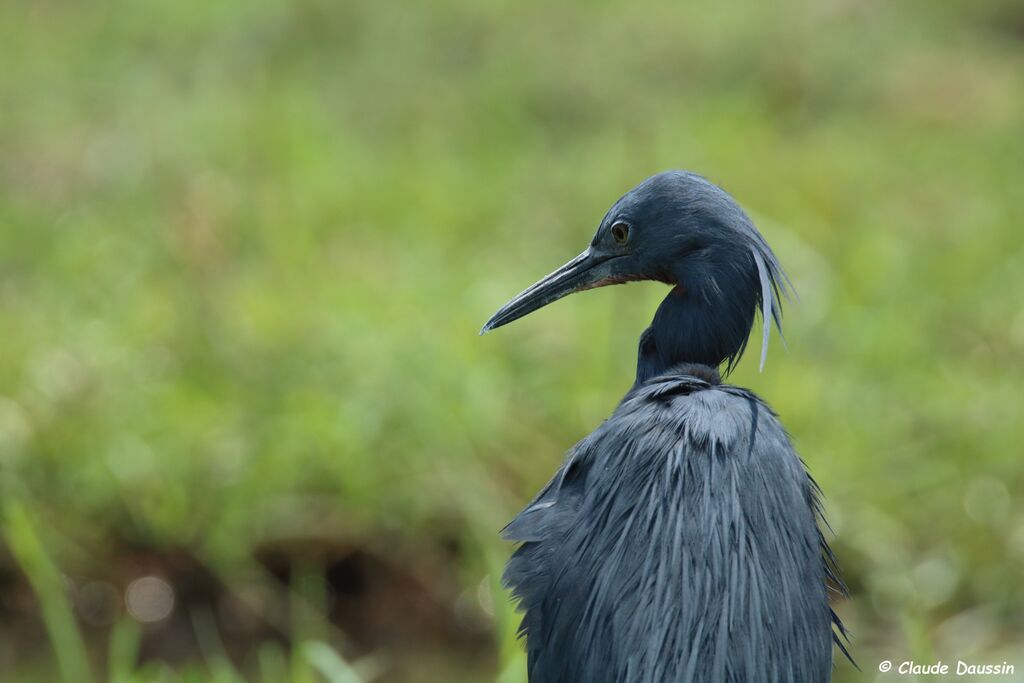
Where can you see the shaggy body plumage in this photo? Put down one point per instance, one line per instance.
(680, 541)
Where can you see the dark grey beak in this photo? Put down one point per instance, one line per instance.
(586, 271)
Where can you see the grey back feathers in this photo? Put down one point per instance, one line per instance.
(678, 542)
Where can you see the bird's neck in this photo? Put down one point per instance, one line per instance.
(704, 322)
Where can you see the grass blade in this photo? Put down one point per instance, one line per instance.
(124, 650)
(50, 590)
(329, 663)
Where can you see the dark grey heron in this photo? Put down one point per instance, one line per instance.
(680, 541)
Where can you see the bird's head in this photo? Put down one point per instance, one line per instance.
(680, 229)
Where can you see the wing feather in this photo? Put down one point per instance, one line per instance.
(677, 542)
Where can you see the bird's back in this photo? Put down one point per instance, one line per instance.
(678, 542)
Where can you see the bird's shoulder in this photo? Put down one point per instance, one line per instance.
(688, 410)
(693, 401)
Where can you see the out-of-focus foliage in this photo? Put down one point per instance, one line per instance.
(245, 248)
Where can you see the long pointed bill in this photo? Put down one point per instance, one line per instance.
(586, 271)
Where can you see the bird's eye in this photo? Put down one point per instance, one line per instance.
(620, 232)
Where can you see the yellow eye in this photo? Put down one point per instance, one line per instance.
(620, 232)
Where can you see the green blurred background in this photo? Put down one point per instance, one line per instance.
(247, 428)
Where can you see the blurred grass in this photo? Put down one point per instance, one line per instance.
(245, 249)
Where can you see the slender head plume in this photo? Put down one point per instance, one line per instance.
(680, 229)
